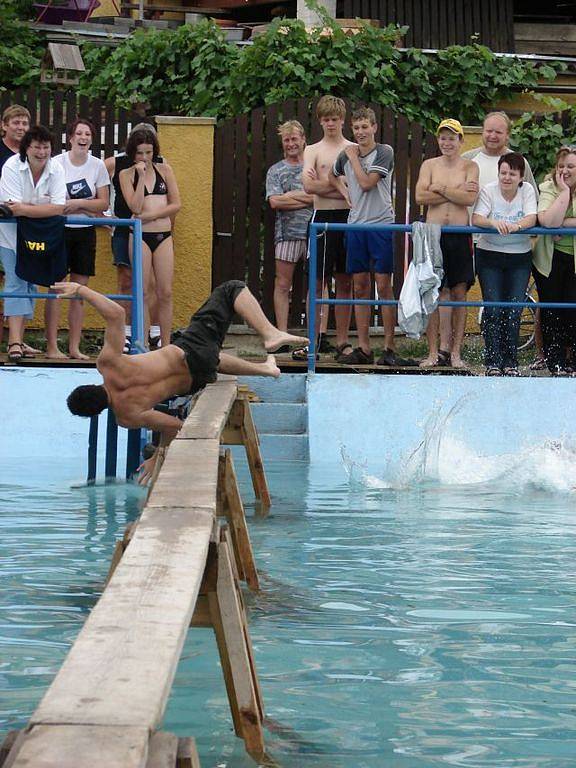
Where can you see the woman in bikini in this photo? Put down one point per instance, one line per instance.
(151, 192)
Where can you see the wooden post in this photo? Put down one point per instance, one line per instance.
(233, 509)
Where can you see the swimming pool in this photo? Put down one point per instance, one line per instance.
(405, 619)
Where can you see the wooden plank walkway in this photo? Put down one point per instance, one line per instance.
(109, 696)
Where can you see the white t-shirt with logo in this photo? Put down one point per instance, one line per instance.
(491, 204)
(82, 181)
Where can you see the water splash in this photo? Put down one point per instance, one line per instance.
(441, 458)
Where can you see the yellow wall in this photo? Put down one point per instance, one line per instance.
(187, 144)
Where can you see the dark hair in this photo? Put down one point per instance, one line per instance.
(514, 161)
(141, 137)
(36, 133)
(71, 129)
(87, 400)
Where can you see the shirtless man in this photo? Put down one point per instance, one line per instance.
(134, 384)
(330, 206)
(448, 185)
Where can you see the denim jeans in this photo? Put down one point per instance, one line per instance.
(558, 325)
(503, 277)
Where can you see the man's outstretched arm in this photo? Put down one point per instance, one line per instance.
(111, 312)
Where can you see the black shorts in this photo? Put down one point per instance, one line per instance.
(204, 337)
(331, 246)
(81, 250)
(457, 259)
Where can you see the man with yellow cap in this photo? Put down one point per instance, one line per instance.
(447, 185)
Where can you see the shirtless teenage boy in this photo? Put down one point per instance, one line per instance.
(330, 206)
(448, 185)
(134, 384)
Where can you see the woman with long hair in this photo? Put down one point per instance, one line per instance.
(555, 263)
(87, 194)
(151, 192)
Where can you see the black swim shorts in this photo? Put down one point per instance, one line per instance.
(458, 259)
(330, 245)
(204, 337)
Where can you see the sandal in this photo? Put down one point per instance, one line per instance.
(444, 359)
(493, 371)
(324, 345)
(300, 355)
(357, 357)
(15, 355)
(340, 351)
(511, 371)
(538, 365)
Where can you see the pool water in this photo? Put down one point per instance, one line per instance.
(404, 620)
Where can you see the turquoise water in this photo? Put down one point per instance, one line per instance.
(411, 624)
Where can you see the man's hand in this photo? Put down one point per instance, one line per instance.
(146, 470)
(439, 189)
(66, 290)
(18, 209)
(72, 206)
(471, 186)
(311, 173)
(352, 150)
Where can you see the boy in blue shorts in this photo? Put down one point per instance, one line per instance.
(363, 174)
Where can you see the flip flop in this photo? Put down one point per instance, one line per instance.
(300, 355)
(339, 353)
(444, 359)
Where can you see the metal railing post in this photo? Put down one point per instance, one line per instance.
(92, 450)
(312, 284)
(138, 341)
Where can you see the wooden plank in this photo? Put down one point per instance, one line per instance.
(245, 692)
(78, 746)
(217, 196)
(57, 123)
(226, 225)
(234, 510)
(272, 155)
(10, 747)
(241, 176)
(209, 415)
(257, 200)
(44, 116)
(255, 463)
(119, 671)
(162, 750)
(187, 756)
(109, 130)
(401, 175)
(189, 476)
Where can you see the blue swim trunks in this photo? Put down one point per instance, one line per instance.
(368, 251)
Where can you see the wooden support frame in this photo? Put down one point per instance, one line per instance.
(240, 429)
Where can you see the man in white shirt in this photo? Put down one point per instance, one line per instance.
(31, 185)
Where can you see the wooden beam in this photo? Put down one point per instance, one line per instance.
(252, 445)
(187, 754)
(210, 412)
(83, 746)
(162, 750)
(120, 669)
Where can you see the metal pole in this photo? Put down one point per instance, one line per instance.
(133, 452)
(92, 450)
(111, 446)
(137, 290)
(312, 281)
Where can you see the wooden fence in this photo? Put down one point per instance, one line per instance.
(57, 109)
(245, 147)
(439, 23)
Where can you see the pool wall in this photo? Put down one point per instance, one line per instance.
(36, 422)
(368, 414)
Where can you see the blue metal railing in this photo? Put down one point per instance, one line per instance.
(313, 301)
(138, 346)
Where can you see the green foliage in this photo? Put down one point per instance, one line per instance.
(181, 71)
(193, 70)
(539, 136)
(20, 49)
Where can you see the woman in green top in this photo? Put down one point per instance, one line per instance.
(555, 263)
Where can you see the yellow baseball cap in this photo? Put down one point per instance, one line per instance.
(451, 125)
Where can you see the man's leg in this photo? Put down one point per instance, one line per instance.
(457, 293)
(385, 292)
(432, 338)
(282, 287)
(343, 313)
(361, 281)
(249, 310)
(236, 366)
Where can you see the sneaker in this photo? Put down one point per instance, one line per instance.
(511, 371)
(154, 343)
(493, 371)
(357, 357)
(127, 345)
(391, 359)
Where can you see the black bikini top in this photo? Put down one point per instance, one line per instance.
(159, 188)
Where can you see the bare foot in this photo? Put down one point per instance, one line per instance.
(55, 354)
(77, 355)
(457, 362)
(429, 362)
(279, 338)
(270, 368)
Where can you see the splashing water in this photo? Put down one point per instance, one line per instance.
(442, 458)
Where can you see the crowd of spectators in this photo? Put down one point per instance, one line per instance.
(36, 183)
(333, 180)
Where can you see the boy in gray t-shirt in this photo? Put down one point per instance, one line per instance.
(367, 169)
